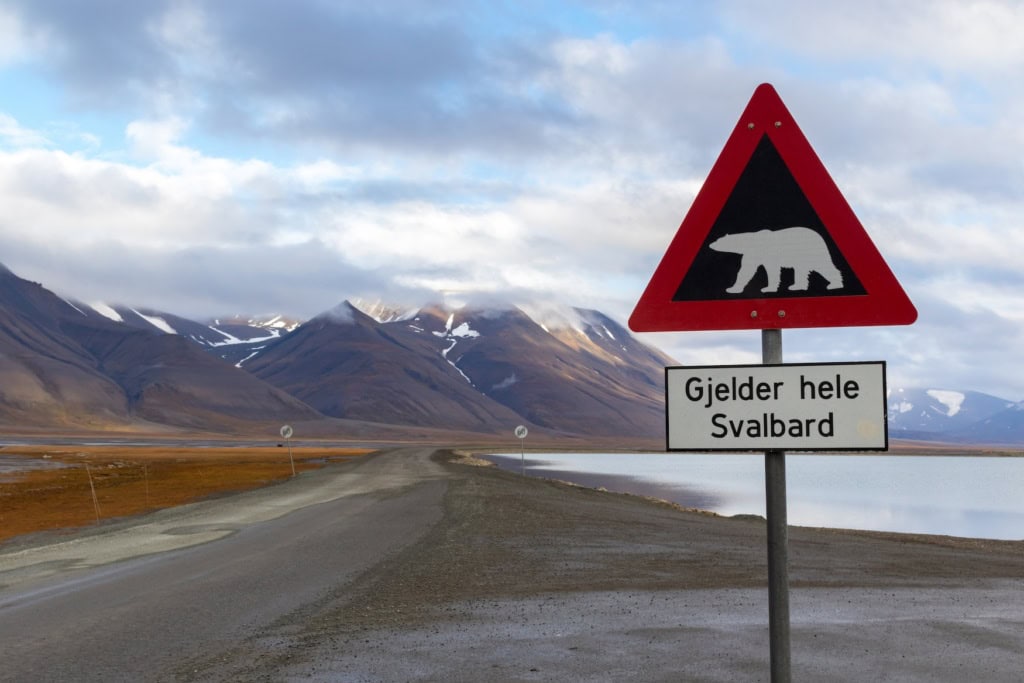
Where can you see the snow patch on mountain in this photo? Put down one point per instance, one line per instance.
(555, 317)
(952, 400)
(268, 322)
(106, 311)
(463, 331)
(229, 338)
(254, 353)
(68, 302)
(276, 322)
(155, 321)
(505, 383)
(460, 332)
(384, 312)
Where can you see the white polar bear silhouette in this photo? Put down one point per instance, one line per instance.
(801, 249)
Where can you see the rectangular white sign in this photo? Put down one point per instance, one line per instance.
(816, 407)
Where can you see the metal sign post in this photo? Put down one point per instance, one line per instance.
(521, 433)
(769, 243)
(286, 433)
(778, 536)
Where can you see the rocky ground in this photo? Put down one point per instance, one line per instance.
(535, 580)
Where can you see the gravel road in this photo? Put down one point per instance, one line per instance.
(407, 567)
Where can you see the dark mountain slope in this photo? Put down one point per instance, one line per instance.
(67, 364)
(46, 377)
(345, 364)
(577, 386)
(472, 368)
(167, 379)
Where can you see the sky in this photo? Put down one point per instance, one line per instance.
(207, 158)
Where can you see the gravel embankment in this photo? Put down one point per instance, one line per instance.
(534, 580)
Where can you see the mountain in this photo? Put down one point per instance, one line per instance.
(68, 364)
(471, 368)
(232, 338)
(346, 364)
(1003, 427)
(46, 377)
(955, 417)
(369, 368)
(940, 410)
(64, 363)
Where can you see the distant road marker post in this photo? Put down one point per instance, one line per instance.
(286, 434)
(521, 433)
(769, 243)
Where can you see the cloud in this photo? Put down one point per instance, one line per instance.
(16, 136)
(210, 157)
(953, 35)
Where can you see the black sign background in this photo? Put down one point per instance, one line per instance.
(766, 196)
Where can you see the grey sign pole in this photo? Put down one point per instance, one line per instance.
(521, 432)
(286, 432)
(778, 536)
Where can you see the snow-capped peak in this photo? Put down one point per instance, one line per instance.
(553, 317)
(384, 312)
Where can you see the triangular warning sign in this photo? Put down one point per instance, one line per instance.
(770, 243)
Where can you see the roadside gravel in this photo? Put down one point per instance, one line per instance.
(536, 580)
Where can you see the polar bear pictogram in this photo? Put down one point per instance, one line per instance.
(801, 249)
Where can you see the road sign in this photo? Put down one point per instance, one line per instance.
(286, 434)
(521, 432)
(770, 243)
(808, 407)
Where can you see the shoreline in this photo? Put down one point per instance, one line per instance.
(62, 461)
(692, 495)
(534, 579)
(510, 578)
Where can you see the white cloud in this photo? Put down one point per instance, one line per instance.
(17, 42)
(16, 135)
(955, 35)
(553, 164)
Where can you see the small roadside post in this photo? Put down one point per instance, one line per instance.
(286, 434)
(770, 243)
(521, 432)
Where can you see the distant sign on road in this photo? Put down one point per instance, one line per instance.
(819, 407)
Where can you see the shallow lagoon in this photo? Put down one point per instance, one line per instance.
(11, 464)
(978, 497)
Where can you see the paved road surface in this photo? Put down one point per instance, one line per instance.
(134, 602)
(398, 567)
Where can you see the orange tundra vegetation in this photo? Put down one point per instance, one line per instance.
(129, 480)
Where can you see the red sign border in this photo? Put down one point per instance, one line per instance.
(885, 302)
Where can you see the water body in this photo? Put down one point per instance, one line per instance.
(976, 497)
(9, 464)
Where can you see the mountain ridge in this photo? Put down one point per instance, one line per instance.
(471, 368)
(103, 366)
